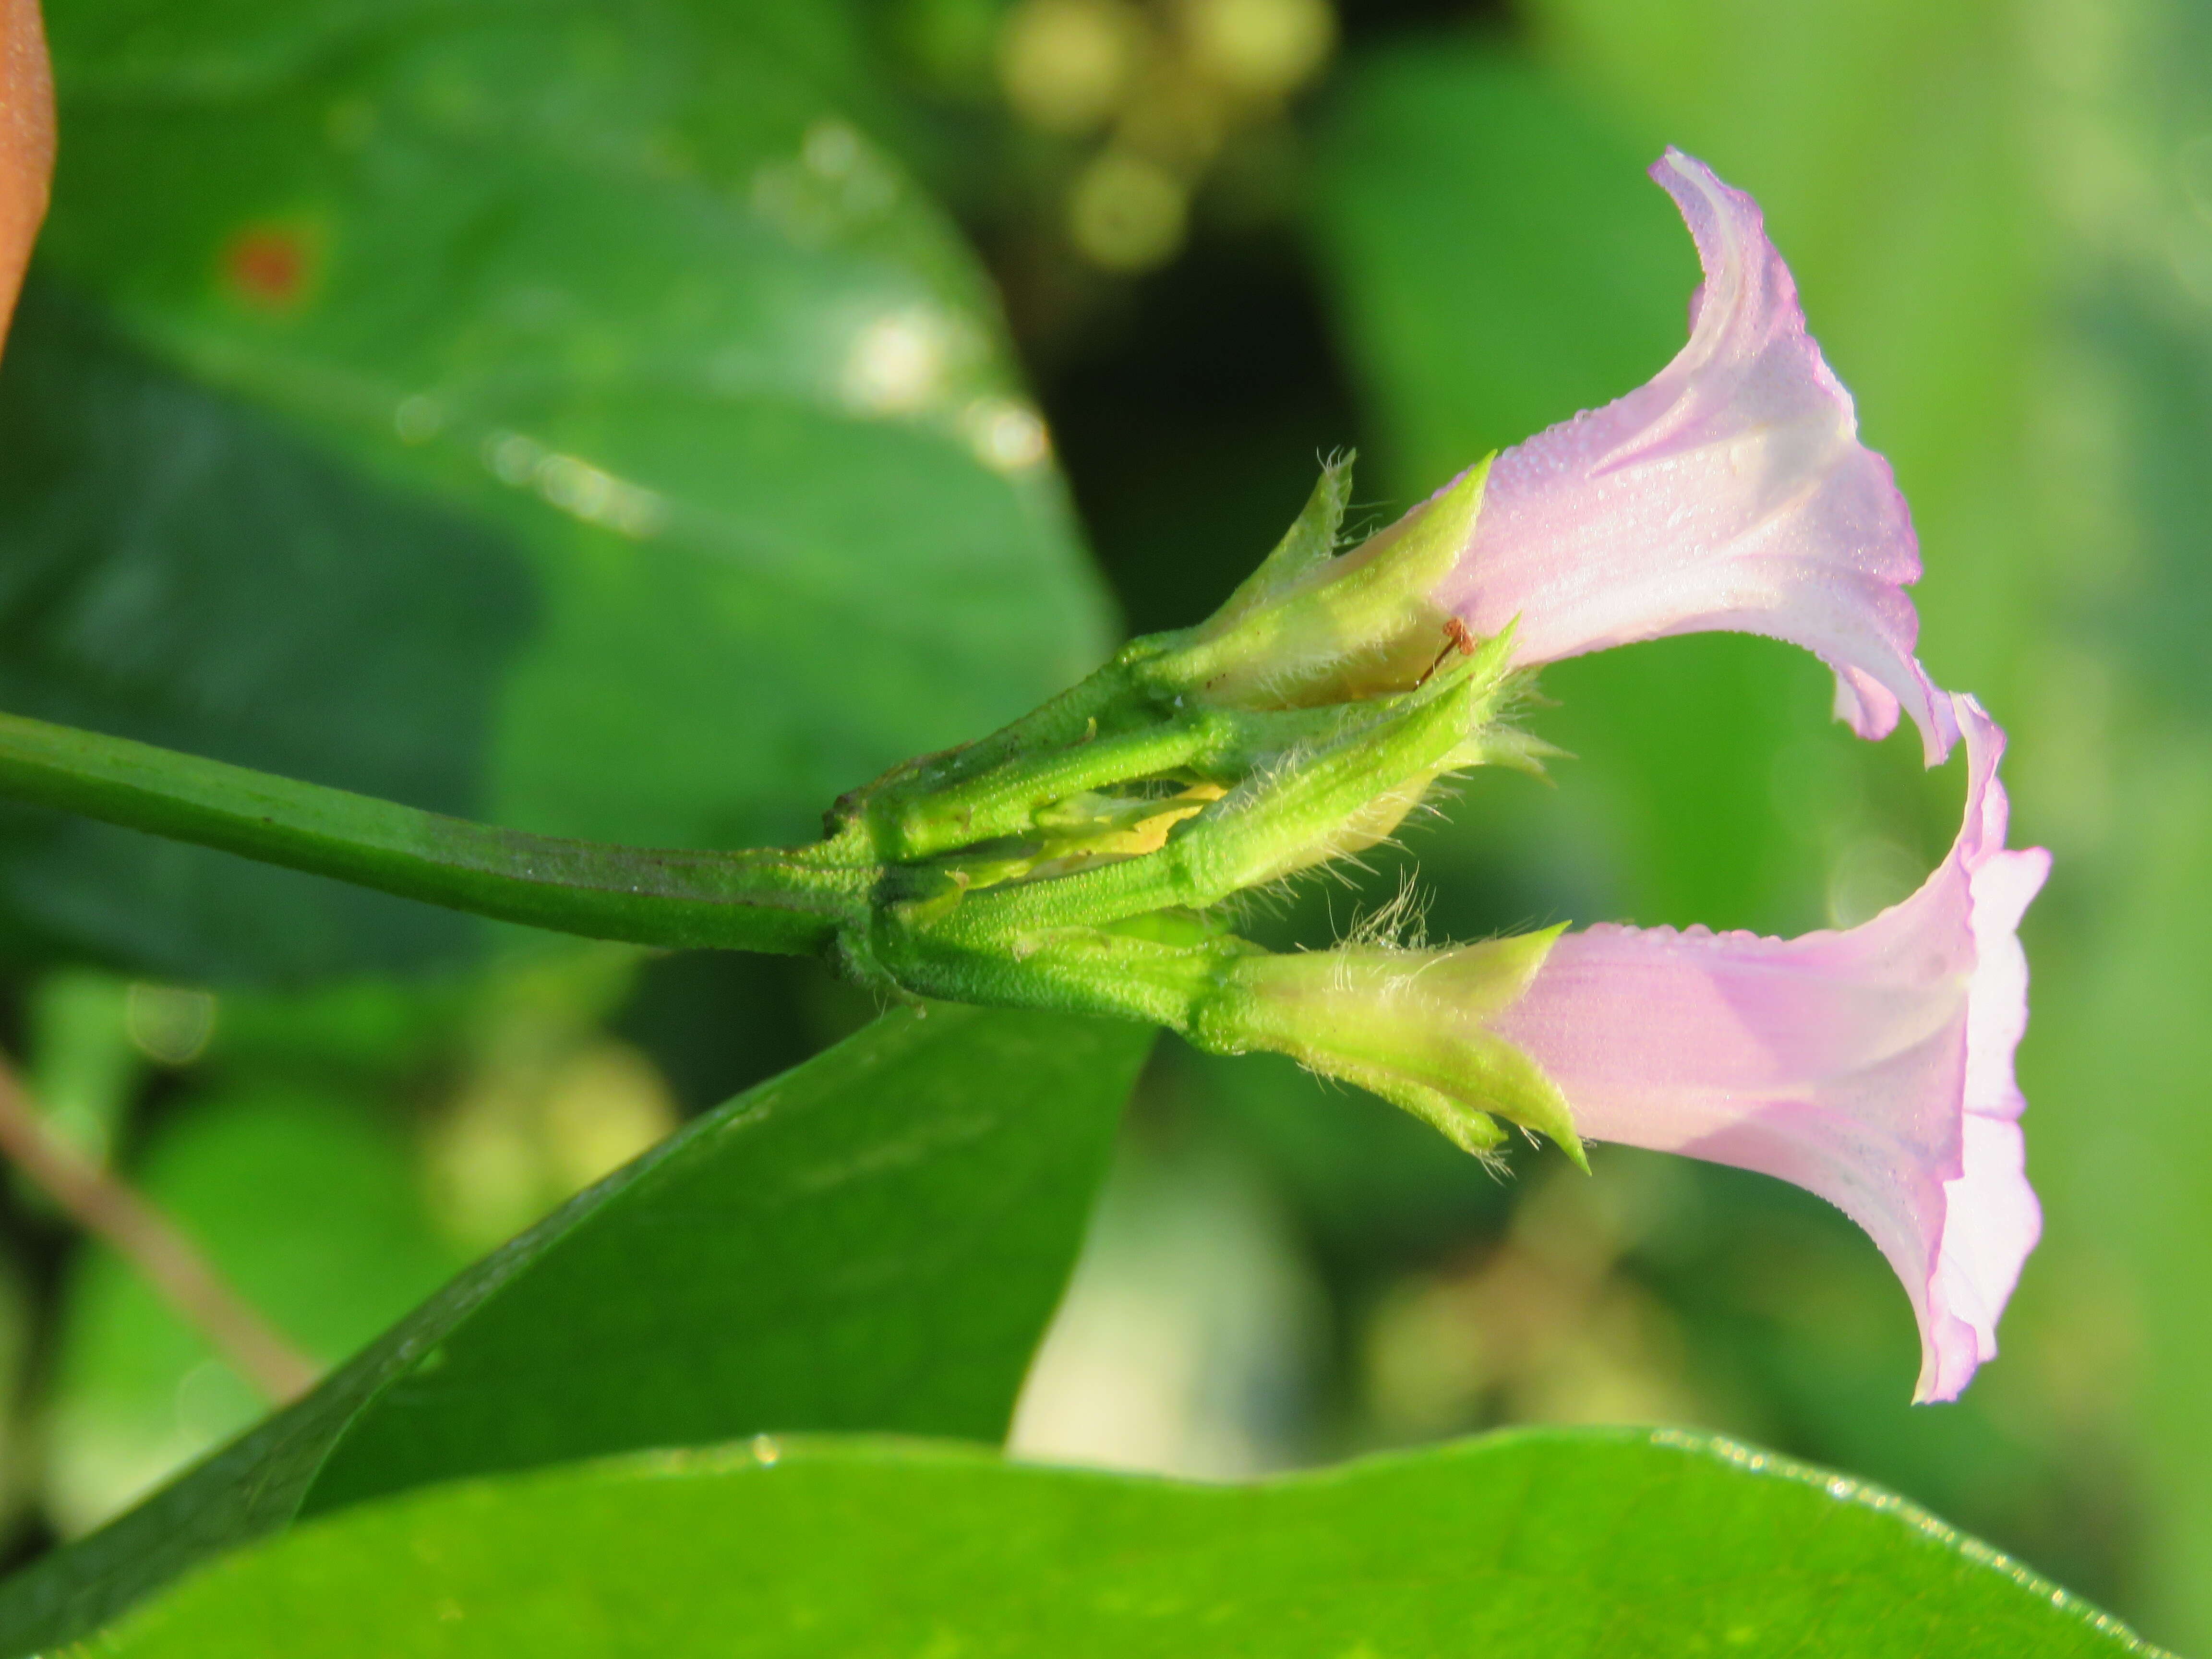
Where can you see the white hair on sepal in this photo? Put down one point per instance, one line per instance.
(1400, 923)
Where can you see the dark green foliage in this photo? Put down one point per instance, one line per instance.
(872, 1241)
(503, 375)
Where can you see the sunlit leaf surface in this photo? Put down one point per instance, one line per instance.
(1617, 1543)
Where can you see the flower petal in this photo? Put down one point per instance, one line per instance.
(1730, 492)
(1873, 1067)
(1992, 1218)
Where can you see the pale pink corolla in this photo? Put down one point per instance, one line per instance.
(1873, 1067)
(1730, 492)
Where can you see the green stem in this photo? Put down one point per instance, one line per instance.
(1107, 697)
(1266, 828)
(789, 903)
(1217, 744)
(1005, 802)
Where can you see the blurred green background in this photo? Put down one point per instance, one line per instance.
(466, 402)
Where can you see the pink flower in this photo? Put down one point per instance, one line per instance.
(1872, 1067)
(1731, 492)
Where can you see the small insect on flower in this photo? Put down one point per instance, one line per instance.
(1457, 637)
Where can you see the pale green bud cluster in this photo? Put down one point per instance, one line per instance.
(1082, 858)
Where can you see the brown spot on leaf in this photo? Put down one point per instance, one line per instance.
(270, 267)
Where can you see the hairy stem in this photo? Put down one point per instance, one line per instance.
(103, 1205)
(790, 902)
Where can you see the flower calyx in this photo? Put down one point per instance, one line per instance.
(1406, 1024)
(1082, 858)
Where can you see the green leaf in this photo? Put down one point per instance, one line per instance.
(874, 1240)
(175, 566)
(308, 1204)
(1499, 258)
(1611, 1542)
(655, 437)
(1918, 245)
(2114, 766)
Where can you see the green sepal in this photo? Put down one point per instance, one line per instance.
(1308, 544)
(1361, 625)
(1470, 1130)
(1158, 969)
(1412, 1026)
